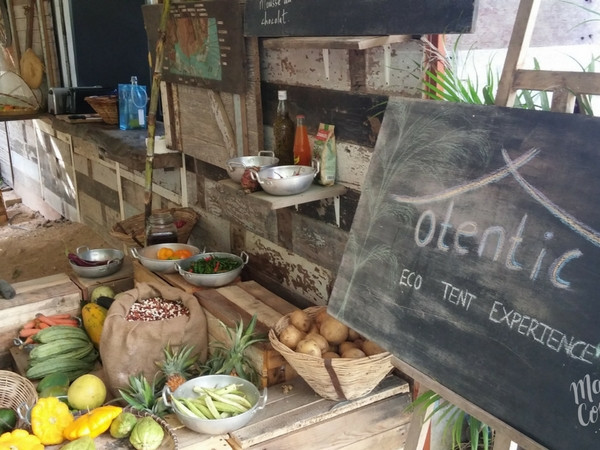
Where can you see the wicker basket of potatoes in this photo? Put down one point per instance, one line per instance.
(335, 361)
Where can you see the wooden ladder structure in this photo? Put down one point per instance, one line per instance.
(565, 86)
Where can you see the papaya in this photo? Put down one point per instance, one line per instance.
(54, 391)
(54, 379)
(93, 317)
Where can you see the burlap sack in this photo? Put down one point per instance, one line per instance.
(133, 347)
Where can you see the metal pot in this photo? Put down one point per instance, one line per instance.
(286, 180)
(112, 259)
(237, 166)
(216, 426)
(147, 256)
(211, 279)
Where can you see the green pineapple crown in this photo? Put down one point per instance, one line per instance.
(178, 362)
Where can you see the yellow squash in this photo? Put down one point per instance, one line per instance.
(93, 316)
(93, 423)
(49, 418)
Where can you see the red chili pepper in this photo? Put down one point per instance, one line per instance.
(217, 266)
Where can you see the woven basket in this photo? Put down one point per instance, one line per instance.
(337, 378)
(106, 106)
(16, 392)
(132, 231)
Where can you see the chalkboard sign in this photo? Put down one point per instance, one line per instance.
(474, 257)
(356, 17)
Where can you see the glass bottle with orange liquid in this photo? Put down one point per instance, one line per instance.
(302, 150)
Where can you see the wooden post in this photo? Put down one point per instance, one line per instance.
(3, 215)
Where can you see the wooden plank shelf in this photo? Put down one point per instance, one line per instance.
(315, 192)
(342, 42)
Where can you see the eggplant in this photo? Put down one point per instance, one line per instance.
(84, 262)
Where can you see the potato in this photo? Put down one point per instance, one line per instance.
(371, 348)
(301, 320)
(321, 316)
(353, 335)
(308, 347)
(320, 340)
(347, 345)
(353, 353)
(334, 331)
(290, 336)
(330, 355)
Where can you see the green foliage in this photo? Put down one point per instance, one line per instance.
(447, 85)
(456, 422)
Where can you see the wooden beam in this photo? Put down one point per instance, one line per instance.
(517, 48)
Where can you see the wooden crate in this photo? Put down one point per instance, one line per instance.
(54, 294)
(119, 281)
(230, 304)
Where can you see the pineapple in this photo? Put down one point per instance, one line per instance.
(177, 365)
(144, 395)
(230, 358)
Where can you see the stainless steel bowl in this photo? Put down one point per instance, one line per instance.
(211, 279)
(111, 258)
(285, 180)
(237, 166)
(147, 256)
(217, 426)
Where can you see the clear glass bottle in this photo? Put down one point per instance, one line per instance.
(302, 150)
(283, 131)
(161, 229)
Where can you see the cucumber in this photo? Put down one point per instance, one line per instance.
(60, 332)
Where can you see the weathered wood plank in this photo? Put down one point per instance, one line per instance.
(350, 115)
(295, 406)
(340, 42)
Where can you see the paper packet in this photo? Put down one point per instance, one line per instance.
(325, 152)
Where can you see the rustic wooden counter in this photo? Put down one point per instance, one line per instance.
(127, 147)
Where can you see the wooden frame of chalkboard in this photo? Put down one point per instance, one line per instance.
(276, 18)
(473, 258)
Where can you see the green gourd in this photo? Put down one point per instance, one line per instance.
(122, 426)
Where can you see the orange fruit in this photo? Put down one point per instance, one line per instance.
(165, 253)
(182, 254)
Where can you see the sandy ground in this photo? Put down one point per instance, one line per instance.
(31, 246)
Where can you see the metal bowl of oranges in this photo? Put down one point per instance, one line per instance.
(163, 257)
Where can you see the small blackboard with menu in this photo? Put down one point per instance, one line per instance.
(474, 257)
(273, 18)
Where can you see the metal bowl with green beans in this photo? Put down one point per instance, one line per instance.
(215, 404)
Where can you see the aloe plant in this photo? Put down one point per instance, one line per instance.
(479, 435)
(448, 85)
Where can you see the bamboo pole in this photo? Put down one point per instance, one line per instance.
(154, 95)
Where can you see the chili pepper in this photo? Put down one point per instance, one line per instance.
(217, 266)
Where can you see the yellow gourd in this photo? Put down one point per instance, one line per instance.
(93, 316)
(49, 417)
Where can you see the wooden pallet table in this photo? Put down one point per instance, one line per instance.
(48, 295)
